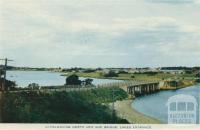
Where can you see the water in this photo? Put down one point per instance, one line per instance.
(155, 105)
(45, 78)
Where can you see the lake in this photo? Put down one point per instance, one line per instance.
(45, 78)
(154, 105)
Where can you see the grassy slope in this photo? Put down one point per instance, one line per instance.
(62, 107)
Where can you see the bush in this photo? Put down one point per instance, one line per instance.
(61, 107)
(33, 86)
(111, 74)
(89, 71)
(132, 76)
(122, 72)
(87, 81)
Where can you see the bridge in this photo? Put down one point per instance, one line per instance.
(138, 89)
(135, 88)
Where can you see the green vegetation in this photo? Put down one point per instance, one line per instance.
(62, 107)
(185, 79)
(74, 80)
(137, 76)
(10, 84)
(111, 74)
(88, 81)
(103, 95)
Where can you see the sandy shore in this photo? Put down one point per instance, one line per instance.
(124, 110)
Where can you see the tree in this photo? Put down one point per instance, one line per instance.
(73, 80)
(198, 75)
(88, 81)
(33, 86)
(89, 70)
(122, 72)
(111, 74)
(9, 85)
(132, 76)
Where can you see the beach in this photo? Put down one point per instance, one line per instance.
(124, 110)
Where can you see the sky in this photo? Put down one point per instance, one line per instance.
(100, 33)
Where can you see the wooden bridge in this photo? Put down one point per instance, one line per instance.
(132, 87)
(135, 88)
(138, 89)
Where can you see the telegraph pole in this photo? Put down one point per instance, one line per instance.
(113, 103)
(4, 70)
(3, 88)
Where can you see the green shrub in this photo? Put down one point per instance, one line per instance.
(61, 107)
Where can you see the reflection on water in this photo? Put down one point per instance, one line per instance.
(155, 105)
(44, 78)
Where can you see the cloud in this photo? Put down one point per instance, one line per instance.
(197, 1)
(172, 1)
(92, 33)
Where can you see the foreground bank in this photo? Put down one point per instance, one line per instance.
(72, 107)
(62, 107)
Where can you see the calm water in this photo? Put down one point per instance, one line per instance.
(155, 105)
(44, 78)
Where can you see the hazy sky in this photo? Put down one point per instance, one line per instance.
(100, 33)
